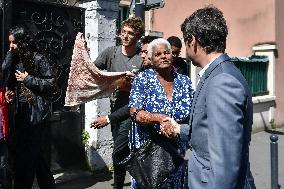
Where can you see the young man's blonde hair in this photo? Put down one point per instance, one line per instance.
(136, 24)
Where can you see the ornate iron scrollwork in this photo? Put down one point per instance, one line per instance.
(50, 35)
(55, 28)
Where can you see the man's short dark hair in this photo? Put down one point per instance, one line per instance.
(175, 41)
(147, 39)
(209, 28)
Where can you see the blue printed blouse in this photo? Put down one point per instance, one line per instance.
(148, 94)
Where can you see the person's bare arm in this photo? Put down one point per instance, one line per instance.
(146, 118)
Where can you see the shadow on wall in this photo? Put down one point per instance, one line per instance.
(66, 142)
(261, 115)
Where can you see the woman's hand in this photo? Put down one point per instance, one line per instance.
(9, 96)
(20, 76)
(169, 128)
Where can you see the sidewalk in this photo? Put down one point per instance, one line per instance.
(259, 158)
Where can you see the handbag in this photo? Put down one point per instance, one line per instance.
(153, 163)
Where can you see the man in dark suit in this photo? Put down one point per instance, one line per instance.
(221, 114)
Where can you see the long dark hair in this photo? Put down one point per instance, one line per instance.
(27, 47)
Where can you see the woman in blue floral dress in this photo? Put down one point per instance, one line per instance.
(158, 93)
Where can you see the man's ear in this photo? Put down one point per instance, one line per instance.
(194, 43)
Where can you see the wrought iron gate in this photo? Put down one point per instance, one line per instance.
(55, 26)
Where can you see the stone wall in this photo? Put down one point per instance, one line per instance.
(100, 33)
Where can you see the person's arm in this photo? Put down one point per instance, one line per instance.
(102, 121)
(145, 118)
(120, 114)
(44, 84)
(171, 129)
(225, 104)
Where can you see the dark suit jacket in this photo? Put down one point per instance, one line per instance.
(221, 122)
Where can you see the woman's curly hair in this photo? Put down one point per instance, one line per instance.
(136, 24)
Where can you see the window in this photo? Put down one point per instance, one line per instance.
(254, 70)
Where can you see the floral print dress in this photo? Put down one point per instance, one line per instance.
(148, 94)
